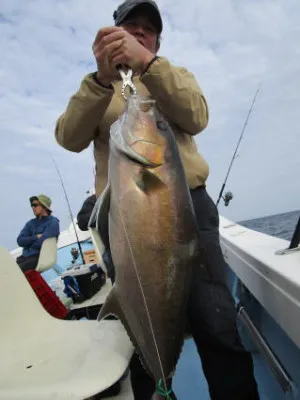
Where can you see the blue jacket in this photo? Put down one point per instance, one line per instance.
(48, 226)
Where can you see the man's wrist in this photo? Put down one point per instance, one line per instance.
(150, 61)
(102, 81)
(146, 61)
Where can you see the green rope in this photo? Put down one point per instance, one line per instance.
(162, 391)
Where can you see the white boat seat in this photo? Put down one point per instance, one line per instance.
(48, 255)
(47, 358)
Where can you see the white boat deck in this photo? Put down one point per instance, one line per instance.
(273, 279)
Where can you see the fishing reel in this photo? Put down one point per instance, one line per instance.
(228, 196)
(75, 254)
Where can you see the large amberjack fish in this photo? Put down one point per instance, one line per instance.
(153, 233)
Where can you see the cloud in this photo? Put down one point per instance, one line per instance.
(26, 171)
(229, 45)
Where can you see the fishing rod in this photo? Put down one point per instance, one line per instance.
(228, 195)
(70, 211)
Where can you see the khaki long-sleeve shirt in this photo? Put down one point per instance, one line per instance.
(93, 109)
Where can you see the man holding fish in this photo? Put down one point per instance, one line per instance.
(134, 41)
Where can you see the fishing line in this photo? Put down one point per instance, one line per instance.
(236, 149)
(166, 392)
(70, 211)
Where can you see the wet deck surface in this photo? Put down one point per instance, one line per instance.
(190, 383)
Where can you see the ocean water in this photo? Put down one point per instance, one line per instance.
(279, 225)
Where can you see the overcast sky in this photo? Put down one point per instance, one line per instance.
(230, 46)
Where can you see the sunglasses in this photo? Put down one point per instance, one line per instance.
(34, 205)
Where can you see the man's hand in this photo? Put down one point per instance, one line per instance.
(107, 40)
(131, 53)
(39, 235)
(114, 46)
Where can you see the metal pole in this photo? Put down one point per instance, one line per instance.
(70, 211)
(239, 141)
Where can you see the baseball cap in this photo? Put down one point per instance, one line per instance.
(127, 6)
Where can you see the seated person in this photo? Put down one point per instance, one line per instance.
(35, 231)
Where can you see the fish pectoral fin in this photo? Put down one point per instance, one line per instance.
(148, 181)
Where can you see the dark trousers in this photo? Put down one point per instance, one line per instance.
(211, 314)
(27, 263)
(211, 317)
